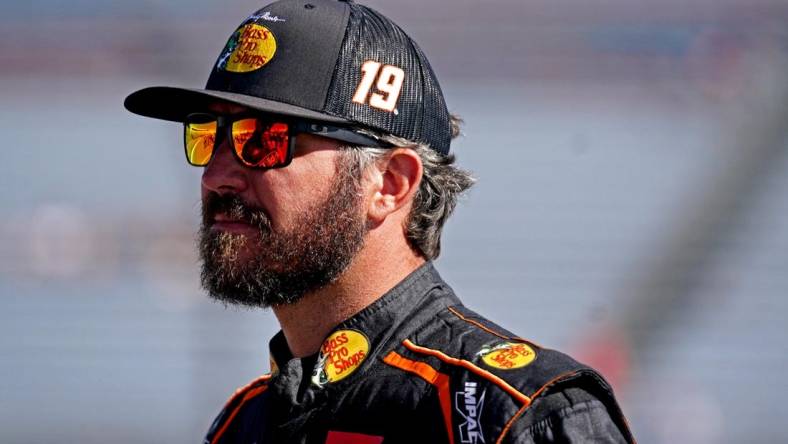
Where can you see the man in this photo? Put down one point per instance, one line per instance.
(325, 140)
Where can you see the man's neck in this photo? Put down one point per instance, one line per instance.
(307, 322)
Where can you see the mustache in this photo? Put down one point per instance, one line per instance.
(235, 208)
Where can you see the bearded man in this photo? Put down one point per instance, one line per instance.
(325, 141)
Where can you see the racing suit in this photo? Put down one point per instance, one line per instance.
(416, 366)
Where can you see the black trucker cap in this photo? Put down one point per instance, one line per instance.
(326, 60)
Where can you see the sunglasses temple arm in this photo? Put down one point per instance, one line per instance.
(342, 134)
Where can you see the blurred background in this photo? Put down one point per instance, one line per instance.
(631, 209)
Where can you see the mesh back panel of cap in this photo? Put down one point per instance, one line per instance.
(421, 113)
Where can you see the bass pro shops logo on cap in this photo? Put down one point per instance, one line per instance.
(249, 48)
(341, 354)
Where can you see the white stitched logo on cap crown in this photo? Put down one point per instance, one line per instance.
(265, 16)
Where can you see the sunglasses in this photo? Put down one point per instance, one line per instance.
(258, 141)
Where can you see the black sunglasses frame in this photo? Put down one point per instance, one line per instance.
(295, 127)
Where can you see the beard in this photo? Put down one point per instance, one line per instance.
(279, 267)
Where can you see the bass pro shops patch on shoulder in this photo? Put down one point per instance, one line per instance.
(507, 355)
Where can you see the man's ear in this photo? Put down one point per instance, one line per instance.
(397, 178)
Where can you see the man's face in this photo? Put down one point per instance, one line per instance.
(269, 237)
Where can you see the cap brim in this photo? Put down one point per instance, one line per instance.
(174, 104)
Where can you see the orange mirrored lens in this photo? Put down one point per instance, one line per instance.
(200, 139)
(261, 144)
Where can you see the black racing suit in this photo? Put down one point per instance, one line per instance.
(416, 366)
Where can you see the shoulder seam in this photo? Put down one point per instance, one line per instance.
(246, 393)
(505, 386)
(245, 388)
(584, 406)
(249, 394)
(477, 324)
(510, 423)
(535, 395)
(483, 327)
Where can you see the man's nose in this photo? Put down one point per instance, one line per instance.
(224, 173)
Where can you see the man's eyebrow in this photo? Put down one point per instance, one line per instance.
(229, 108)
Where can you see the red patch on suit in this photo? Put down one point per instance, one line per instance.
(335, 437)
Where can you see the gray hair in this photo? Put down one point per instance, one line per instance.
(442, 184)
